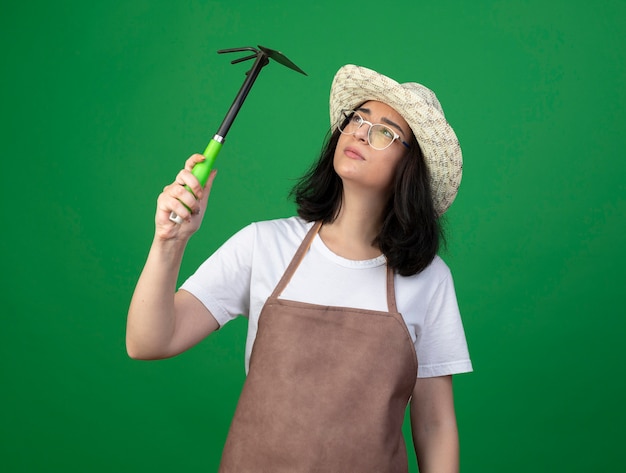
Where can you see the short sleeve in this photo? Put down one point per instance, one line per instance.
(222, 282)
(441, 344)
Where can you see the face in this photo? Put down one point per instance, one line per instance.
(357, 163)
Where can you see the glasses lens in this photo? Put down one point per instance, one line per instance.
(381, 136)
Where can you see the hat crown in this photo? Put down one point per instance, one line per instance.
(427, 95)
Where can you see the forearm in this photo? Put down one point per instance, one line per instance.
(434, 427)
(151, 317)
(437, 449)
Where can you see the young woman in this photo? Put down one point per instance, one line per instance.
(352, 315)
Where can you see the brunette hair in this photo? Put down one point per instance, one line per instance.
(411, 231)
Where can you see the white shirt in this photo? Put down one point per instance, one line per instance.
(239, 277)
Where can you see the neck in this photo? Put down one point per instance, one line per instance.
(352, 234)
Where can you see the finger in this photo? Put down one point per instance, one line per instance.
(165, 206)
(175, 198)
(194, 207)
(177, 219)
(170, 206)
(193, 160)
(182, 194)
(186, 178)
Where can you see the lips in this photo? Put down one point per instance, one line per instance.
(353, 153)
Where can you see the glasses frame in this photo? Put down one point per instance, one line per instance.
(348, 114)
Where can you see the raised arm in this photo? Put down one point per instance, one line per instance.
(161, 322)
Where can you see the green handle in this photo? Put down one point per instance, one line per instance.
(202, 170)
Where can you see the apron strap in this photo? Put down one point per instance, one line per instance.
(391, 291)
(299, 255)
(295, 261)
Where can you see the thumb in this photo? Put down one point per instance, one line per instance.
(207, 188)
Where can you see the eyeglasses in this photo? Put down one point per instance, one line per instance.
(378, 136)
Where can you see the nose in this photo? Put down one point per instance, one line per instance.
(362, 131)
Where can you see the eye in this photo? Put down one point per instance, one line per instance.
(387, 133)
(356, 118)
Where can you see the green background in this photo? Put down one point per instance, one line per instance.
(103, 101)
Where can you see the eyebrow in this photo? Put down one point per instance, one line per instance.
(385, 120)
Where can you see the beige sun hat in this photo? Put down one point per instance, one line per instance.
(418, 105)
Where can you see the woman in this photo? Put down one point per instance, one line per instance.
(343, 300)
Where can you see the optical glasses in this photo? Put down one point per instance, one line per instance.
(379, 136)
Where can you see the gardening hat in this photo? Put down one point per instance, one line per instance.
(418, 105)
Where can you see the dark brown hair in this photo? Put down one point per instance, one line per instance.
(411, 231)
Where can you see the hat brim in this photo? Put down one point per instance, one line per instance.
(418, 105)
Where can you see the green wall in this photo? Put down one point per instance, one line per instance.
(101, 103)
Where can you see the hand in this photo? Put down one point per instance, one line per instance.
(176, 198)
